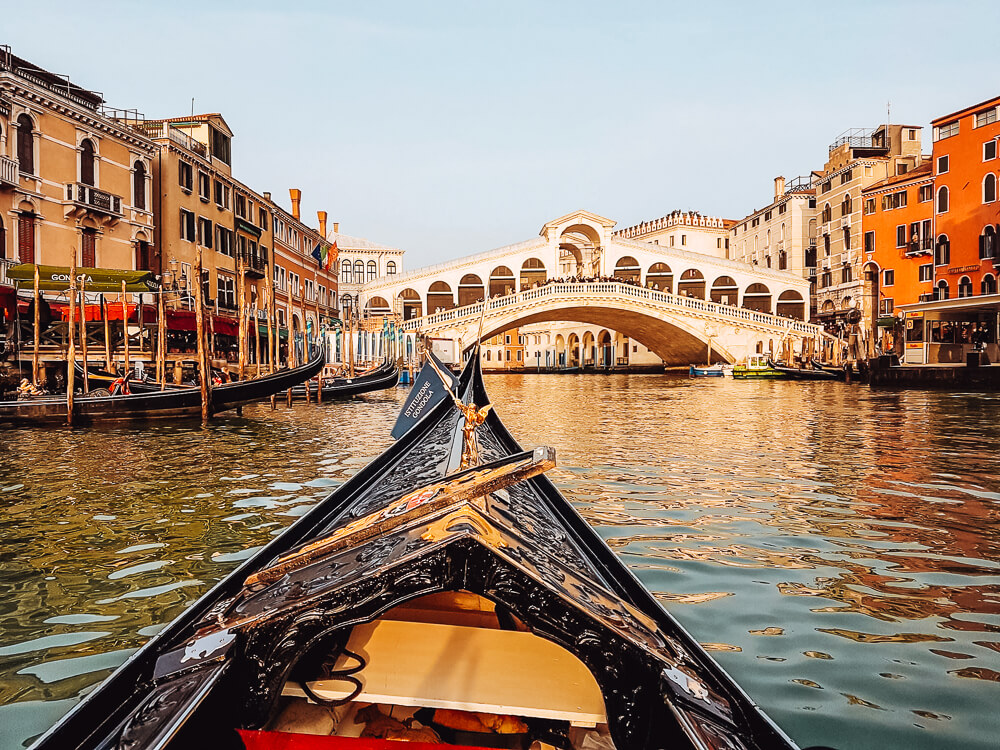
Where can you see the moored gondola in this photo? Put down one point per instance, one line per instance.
(447, 591)
(171, 403)
(810, 373)
(384, 376)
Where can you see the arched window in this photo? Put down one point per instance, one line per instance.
(942, 252)
(942, 201)
(359, 272)
(139, 186)
(25, 145)
(965, 287)
(989, 284)
(767, 241)
(847, 238)
(390, 268)
(942, 289)
(346, 273)
(988, 242)
(87, 160)
(346, 302)
(781, 233)
(372, 270)
(26, 238)
(827, 214)
(846, 207)
(989, 188)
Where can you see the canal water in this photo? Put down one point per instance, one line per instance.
(836, 548)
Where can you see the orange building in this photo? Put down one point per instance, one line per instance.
(898, 239)
(967, 210)
(961, 319)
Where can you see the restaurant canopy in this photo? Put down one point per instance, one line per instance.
(98, 280)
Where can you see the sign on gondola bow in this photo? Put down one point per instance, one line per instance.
(108, 280)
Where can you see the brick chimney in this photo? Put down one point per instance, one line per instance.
(321, 215)
(336, 227)
(296, 196)
(779, 187)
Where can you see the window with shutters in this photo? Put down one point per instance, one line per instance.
(989, 188)
(204, 187)
(869, 242)
(987, 242)
(88, 256)
(87, 161)
(3, 239)
(185, 176)
(187, 226)
(26, 238)
(888, 277)
(205, 231)
(926, 272)
(901, 235)
(25, 145)
(139, 186)
(143, 256)
(942, 252)
(942, 200)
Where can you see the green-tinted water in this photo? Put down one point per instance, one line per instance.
(837, 548)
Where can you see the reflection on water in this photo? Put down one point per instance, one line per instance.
(836, 548)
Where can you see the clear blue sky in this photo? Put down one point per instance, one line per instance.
(447, 128)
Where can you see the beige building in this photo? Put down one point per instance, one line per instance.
(363, 261)
(200, 203)
(782, 234)
(684, 230)
(857, 159)
(74, 179)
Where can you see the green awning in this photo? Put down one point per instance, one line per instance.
(886, 321)
(105, 280)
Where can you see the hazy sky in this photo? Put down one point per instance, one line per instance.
(447, 128)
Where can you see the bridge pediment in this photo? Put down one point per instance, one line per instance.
(556, 227)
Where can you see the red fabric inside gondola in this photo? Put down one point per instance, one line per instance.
(260, 740)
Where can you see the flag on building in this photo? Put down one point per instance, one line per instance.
(317, 253)
(331, 255)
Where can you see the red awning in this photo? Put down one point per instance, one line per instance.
(184, 320)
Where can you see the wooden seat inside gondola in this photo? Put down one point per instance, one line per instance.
(457, 657)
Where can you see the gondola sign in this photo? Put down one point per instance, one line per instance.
(428, 391)
(104, 280)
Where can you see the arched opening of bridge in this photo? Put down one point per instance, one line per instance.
(502, 281)
(691, 284)
(470, 290)
(606, 352)
(412, 306)
(724, 291)
(560, 351)
(439, 297)
(627, 269)
(377, 306)
(589, 349)
(579, 251)
(573, 351)
(757, 297)
(660, 277)
(532, 272)
(791, 305)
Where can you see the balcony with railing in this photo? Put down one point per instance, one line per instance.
(864, 139)
(923, 246)
(90, 198)
(798, 185)
(254, 265)
(8, 171)
(166, 131)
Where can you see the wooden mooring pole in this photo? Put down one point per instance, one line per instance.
(71, 345)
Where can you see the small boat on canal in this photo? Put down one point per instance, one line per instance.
(707, 371)
(172, 403)
(448, 594)
(758, 366)
(808, 373)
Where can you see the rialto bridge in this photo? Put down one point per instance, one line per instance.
(676, 302)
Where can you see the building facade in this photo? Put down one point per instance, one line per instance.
(75, 181)
(363, 261)
(781, 235)
(857, 159)
(239, 231)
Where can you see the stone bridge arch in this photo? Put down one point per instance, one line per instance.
(673, 338)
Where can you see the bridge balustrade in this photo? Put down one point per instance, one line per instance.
(589, 290)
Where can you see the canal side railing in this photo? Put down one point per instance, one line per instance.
(602, 291)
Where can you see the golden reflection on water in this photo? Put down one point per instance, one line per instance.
(822, 540)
